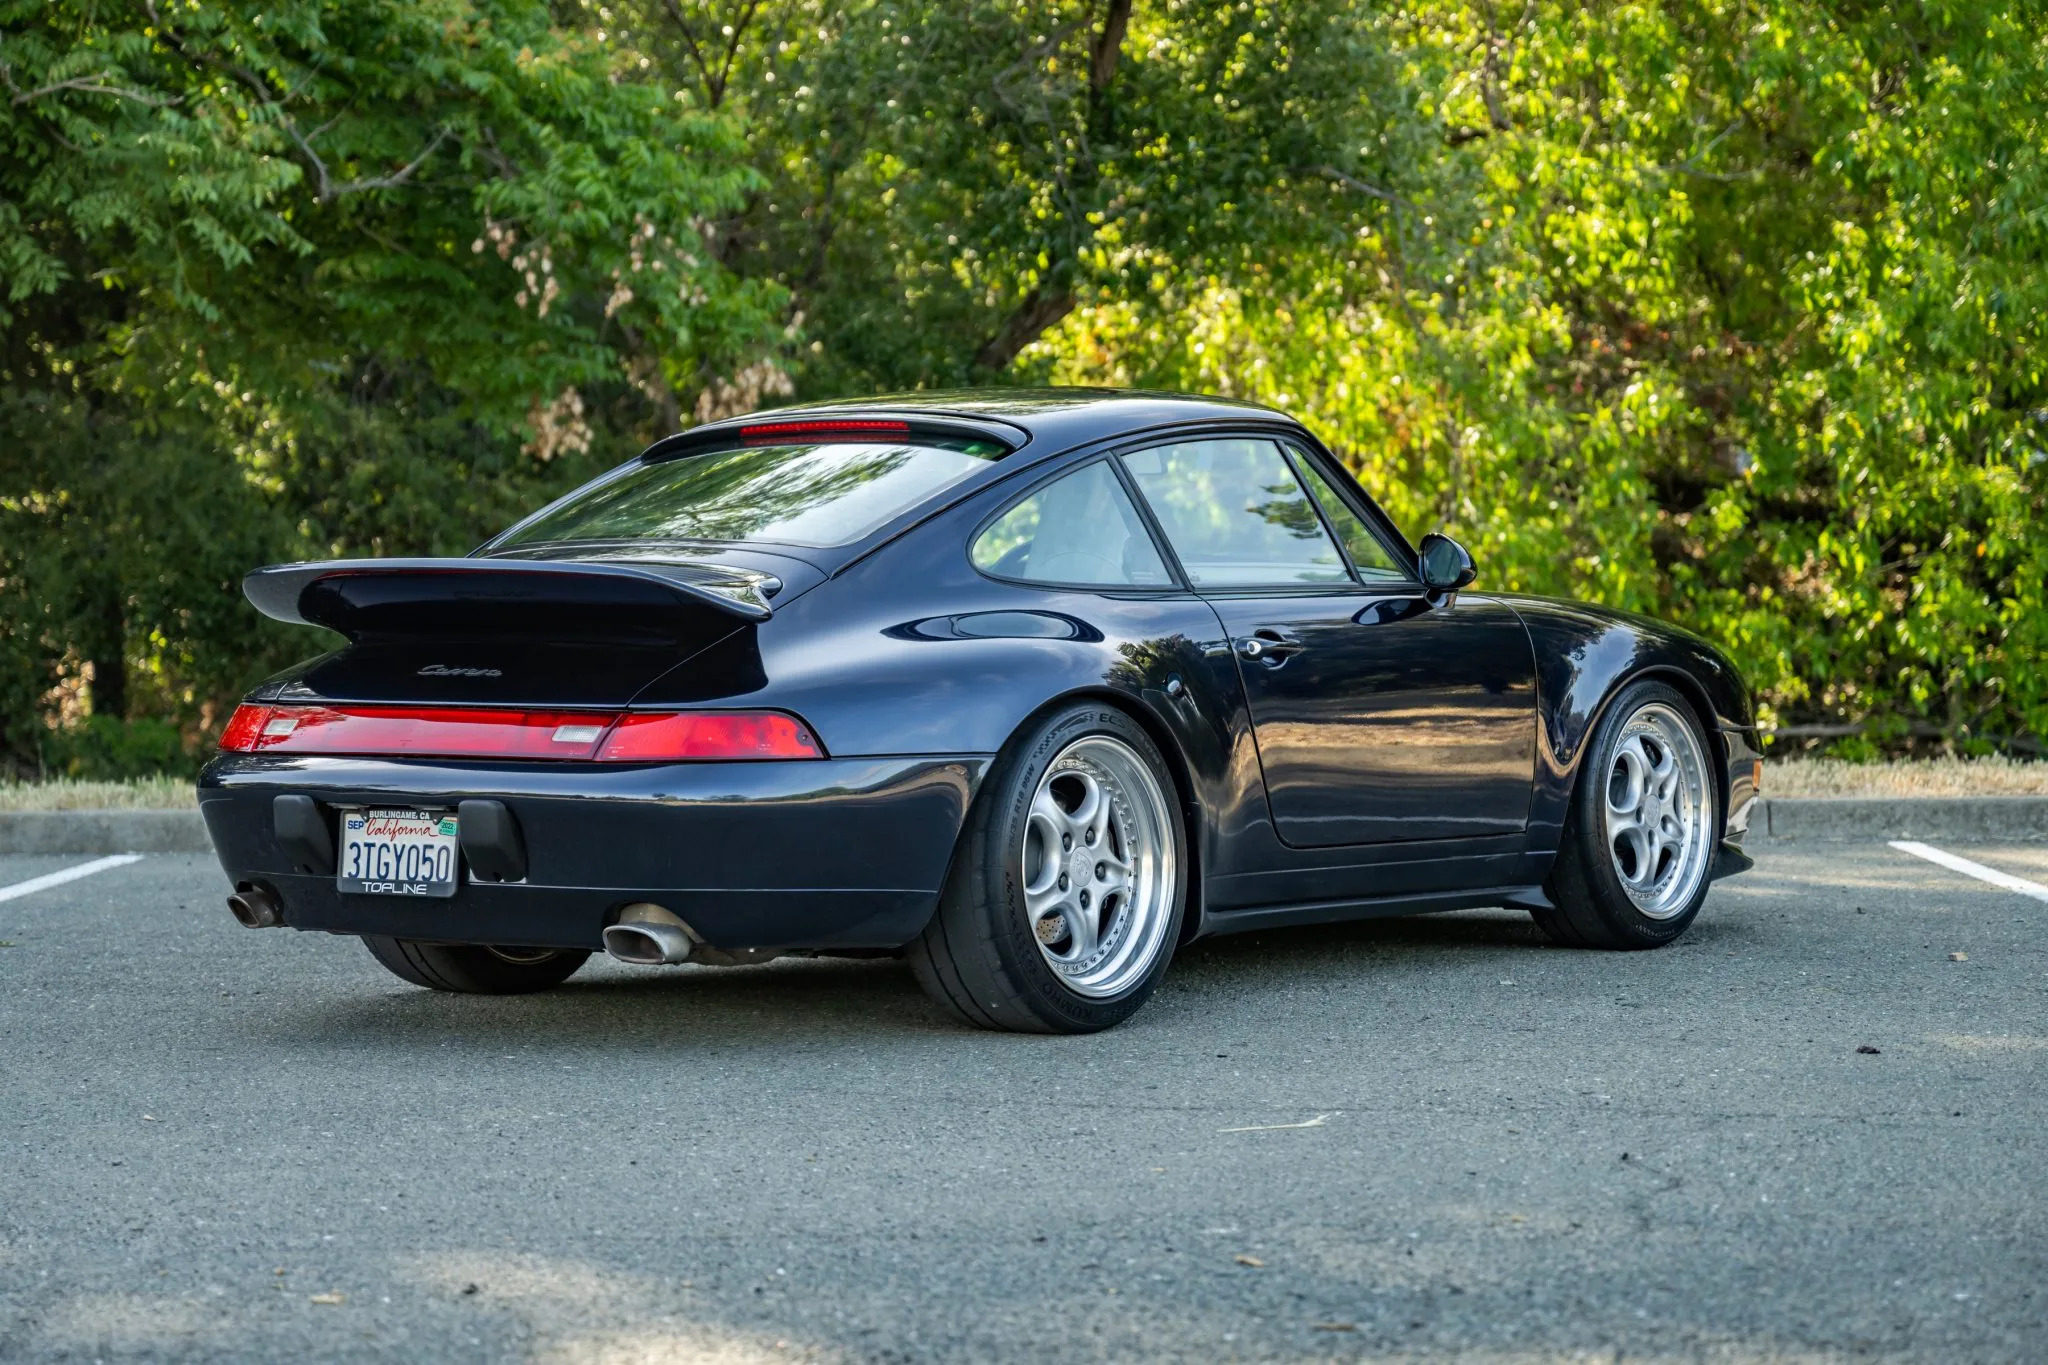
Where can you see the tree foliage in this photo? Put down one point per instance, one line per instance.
(1729, 311)
(310, 278)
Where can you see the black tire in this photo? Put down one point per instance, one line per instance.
(979, 958)
(474, 968)
(1593, 910)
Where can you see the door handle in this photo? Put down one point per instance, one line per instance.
(1269, 645)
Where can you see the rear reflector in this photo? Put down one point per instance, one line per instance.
(479, 732)
(843, 429)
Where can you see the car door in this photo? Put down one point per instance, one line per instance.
(1381, 712)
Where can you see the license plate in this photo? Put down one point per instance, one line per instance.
(397, 853)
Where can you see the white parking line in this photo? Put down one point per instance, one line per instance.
(69, 874)
(1970, 869)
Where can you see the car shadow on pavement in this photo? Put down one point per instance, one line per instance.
(805, 1000)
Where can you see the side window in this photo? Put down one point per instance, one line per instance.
(1081, 529)
(1368, 555)
(1235, 514)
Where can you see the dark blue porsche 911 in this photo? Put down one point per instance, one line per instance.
(1030, 687)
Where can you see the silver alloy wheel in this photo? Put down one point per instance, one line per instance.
(1100, 866)
(1658, 810)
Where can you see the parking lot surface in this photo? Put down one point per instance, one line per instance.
(1815, 1130)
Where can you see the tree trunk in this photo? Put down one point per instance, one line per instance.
(1041, 308)
(108, 654)
(1036, 313)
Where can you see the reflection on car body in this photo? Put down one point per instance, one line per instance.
(1029, 687)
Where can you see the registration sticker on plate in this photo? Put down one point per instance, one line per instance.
(397, 853)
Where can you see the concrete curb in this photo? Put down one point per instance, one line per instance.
(102, 831)
(1980, 819)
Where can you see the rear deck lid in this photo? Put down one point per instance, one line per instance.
(509, 631)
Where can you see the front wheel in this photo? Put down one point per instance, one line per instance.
(475, 968)
(1642, 830)
(1066, 895)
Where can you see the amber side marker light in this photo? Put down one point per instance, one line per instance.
(1756, 775)
(498, 732)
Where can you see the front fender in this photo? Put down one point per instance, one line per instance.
(1584, 655)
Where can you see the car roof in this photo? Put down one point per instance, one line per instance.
(1047, 418)
(1039, 424)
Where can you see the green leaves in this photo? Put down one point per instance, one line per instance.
(392, 270)
(1731, 313)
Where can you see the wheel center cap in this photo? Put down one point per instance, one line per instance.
(1081, 866)
(1653, 810)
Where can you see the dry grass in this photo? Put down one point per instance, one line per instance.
(64, 793)
(1794, 777)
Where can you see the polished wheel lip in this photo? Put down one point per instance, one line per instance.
(1655, 809)
(1099, 867)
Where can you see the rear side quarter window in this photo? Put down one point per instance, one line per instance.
(1081, 529)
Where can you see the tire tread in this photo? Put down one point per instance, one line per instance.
(468, 968)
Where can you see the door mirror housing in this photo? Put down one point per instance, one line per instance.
(1446, 566)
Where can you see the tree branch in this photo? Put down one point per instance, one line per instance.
(1109, 46)
(326, 191)
(732, 46)
(1364, 187)
(1039, 309)
(89, 85)
(714, 88)
(387, 182)
(1690, 166)
(1037, 312)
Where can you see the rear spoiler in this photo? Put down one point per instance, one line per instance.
(571, 599)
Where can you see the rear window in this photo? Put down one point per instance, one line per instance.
(803, 493)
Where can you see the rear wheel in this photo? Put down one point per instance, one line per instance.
(475, 968)
(1066, 896)
(1642, 830)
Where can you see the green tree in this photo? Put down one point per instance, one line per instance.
(1729, 312)
(942, 181)
(310, 278)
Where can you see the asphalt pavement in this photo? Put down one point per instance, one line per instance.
(1810, 1132)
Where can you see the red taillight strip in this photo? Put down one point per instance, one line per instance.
(497, 732)
(683, 735)
(437, 731)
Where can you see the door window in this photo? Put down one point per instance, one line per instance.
(1235, 514)
(1368, 555)
(1082, 529)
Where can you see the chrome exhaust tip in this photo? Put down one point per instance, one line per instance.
(648, 944)
(255, 908)
(649, 935)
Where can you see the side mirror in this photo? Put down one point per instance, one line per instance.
(1446, 567)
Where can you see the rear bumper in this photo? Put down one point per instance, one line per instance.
(844, 853)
